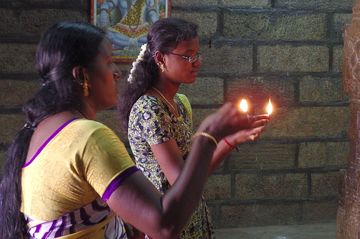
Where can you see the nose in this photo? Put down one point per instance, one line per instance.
(198, 62)
(116, 73)
(117, 76)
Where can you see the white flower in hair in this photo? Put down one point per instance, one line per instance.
(139, 58)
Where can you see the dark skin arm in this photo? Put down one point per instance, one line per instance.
(140, 204)
(170, 159)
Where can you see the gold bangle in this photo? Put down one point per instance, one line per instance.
(209, 136)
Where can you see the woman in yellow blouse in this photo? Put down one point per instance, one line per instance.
(67, 176)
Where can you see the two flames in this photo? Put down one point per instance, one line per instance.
(244, 106)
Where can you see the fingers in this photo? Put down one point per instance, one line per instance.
(259, 123)
(257, 130)
(228, 120)
(252, 137)
(260, 117)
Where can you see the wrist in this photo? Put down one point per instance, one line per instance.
(207, 136)
(230, 144)
(211, 130)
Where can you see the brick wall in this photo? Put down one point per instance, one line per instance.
(290, 50)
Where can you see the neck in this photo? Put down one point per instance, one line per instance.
(89, 111)
(167, 87)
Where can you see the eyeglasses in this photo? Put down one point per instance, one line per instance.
(190, 59)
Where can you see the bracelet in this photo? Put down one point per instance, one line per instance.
(231, 145)
(209, 136)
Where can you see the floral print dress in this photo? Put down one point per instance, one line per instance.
(151, 122)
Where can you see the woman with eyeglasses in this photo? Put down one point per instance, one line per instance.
(159, 120)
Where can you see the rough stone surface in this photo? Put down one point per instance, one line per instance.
(36, 21)
(326, 184)
(321, 90)
(258, 90)
(199, 115)
(337, 58)
(15, 93)
(17, 58)
(263, 156)
(285, 58)
(260, 214)
(191, 3)
(328, 5)
(218, 187)
(308, 122)
(207, 21)
(10, 125)
(262, 26)
(258, 186)
(340, 21)
(205, 91)
(227, 59)
(323, 154)
(319, 211)
(246, 3)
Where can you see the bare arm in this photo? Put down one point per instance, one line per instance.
(169, 157)
(139, 203)
(242, 136)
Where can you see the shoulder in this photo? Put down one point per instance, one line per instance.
(186, 103)
(88, 125)
(183, 98)
(147, 100)
(147, 103)
(89, 128)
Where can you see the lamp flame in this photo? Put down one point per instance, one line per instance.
(244, 106)
(269, 108)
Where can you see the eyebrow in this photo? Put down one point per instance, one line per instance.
(189, 51)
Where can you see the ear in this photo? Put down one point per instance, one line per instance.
(159, 58)
(76, 73)
(80, 74)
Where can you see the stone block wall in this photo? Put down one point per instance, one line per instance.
(289, 50)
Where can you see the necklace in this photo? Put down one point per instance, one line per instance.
(166, 101)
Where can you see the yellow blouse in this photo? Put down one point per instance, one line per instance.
(72, 170)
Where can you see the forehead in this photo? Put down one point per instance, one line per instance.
(189, 45)
(105, 48)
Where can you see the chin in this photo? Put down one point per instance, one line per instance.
(190, 79)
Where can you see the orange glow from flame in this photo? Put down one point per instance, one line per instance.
(244, 106)
(269, 108)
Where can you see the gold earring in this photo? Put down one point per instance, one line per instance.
(85, 86)
(162, 67)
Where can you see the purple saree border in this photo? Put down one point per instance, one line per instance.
(48, 140)
(118, 181)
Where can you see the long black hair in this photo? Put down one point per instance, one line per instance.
(164, 36)
(64, 46)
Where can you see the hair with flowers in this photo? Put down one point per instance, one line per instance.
(139, 58)
(164, 36)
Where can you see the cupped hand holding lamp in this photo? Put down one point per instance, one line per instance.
(252, 126)
(254, 123)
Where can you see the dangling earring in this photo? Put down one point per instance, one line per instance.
(85, 86)
(162, 67)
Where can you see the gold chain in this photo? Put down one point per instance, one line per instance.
(162, 96)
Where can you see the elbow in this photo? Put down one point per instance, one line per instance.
(167, 229)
